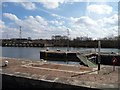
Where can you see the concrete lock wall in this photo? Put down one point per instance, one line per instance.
(21, 82)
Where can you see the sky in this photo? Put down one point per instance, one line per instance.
(43, 18)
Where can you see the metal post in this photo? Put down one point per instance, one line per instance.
(66, 57)
(68, 40)
(99, 46)
(20, 36)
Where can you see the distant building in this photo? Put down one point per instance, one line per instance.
(83, 38)
(59, 37)
(29, 38)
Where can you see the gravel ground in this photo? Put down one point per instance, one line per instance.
(105, 75)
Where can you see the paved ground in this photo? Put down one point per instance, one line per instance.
(75, 72)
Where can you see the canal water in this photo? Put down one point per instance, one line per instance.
(33, 53)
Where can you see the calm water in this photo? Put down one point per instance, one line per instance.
(34, 53)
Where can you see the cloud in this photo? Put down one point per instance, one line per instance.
(51, 4)
(29, 5)
(112, 20)
(57, 23)
(108, 21)
(37, 26)
(10, 16)
(29, 24)
(41, 20)
(25, 4)
(99, 28)
(85, 20)
(72, 19)
(99, 9)
(33, 26)
(6, 31)
(58, 16)
(30, 19)
(2, 24)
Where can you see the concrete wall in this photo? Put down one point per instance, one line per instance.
(20, 82)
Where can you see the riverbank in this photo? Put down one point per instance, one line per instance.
(72, 75)
(59, 43)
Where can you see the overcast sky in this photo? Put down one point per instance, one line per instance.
(44, 19)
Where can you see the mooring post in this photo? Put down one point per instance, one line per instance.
(99, 46)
